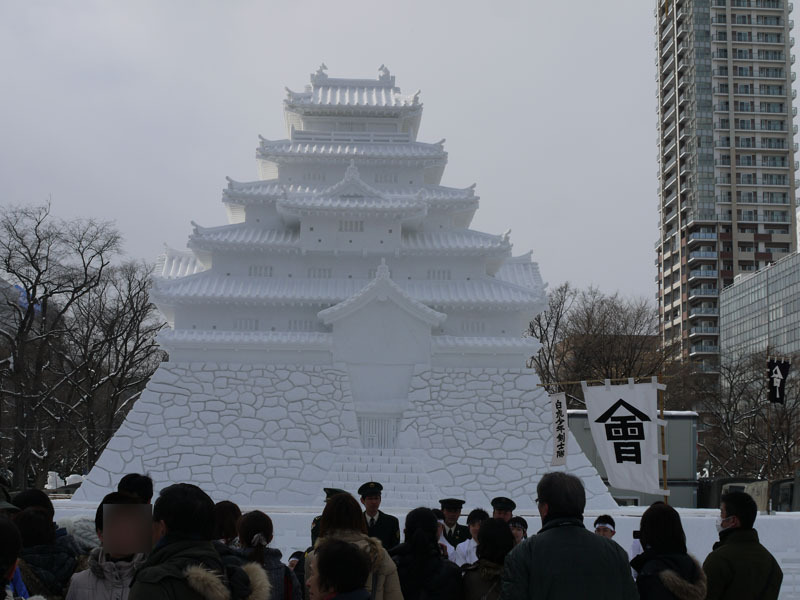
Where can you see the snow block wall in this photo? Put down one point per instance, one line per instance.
(276, 435)
(487, 433)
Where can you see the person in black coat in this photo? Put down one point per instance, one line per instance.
(666, 571)
(424, 573)
(379, 525)
(453, 532)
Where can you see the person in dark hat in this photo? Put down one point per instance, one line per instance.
(453, 532)
(503, 508)
(329, 493)
(379, 525)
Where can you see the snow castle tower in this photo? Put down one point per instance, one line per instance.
(345, 326)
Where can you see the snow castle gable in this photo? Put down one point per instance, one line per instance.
(381, 324)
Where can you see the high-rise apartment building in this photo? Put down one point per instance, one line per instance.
(726, 158)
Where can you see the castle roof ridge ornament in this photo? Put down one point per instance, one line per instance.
(385, 76)
(351, 172)
(320, 76)
(383, 270)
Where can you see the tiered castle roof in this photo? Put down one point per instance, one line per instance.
(272, 219)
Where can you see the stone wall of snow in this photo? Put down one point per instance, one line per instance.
(487, 433)
(254, 434)
(275, 435)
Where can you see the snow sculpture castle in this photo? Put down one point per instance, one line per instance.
(346, 325)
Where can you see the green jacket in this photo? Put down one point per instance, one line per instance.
(739, 567)
(194, 570)
(564, 560)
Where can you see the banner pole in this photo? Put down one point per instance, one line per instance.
(663, 440)
(769, 454)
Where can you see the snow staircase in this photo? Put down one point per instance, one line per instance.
(404, 477)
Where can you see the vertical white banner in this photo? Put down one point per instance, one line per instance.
(558, 403)
(624, 424)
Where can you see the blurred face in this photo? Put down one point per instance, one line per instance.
(502, 514)
(451, 516)
(727, 521)
(371, 504)
(439, 530)
(604, 531)
(518, 532)
(292, 563)
(474, 528)
(314, 591)
(127, 529)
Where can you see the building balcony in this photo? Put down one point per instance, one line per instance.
(671, 216)
(705, 255)
(703, 349)
(701, 367)
(698, 331)
(703, 311)
(703, 274)
(703, 293)
(702, 235)
(751, 218)
(770, 165)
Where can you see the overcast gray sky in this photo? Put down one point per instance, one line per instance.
(137, 110)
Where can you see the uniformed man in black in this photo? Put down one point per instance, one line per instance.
(379, 525)
(329, 493)
(503, 508)
(453, 532)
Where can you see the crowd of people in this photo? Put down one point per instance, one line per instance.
(185, 547)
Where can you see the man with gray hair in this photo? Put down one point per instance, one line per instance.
(564, 559)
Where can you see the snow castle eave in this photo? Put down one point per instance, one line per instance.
(380, 289)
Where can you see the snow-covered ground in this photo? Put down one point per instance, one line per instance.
(780, 532)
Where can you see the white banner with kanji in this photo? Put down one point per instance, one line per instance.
(560, 429)
(625, 427)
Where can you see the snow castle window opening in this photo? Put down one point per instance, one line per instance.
(439, 274)
(260, 271)
(351, 126)
(319, 273)
(473, 326)
(351, 226)
(245, 324)
(386, 178)
(301, 325)
(378, 432)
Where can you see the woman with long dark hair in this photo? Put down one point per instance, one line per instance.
(482, 579)
(343, 520)
(666, 571)
(226, 515)
(255, 533)
(424, 573)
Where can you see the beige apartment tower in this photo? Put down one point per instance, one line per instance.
(726, 158)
